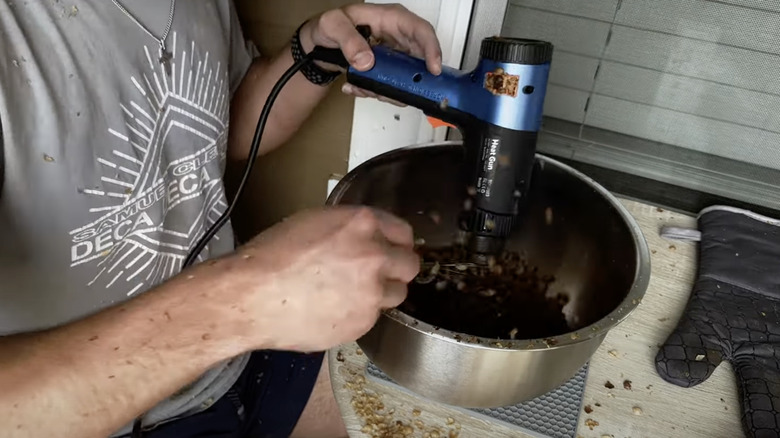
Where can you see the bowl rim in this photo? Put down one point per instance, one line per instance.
(596, 329)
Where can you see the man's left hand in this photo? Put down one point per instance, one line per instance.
(393, 25)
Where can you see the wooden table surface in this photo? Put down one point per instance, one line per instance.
(651, 408)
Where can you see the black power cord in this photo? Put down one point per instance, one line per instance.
(332, 56)
(253, 152)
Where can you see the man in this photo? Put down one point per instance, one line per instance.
(114, 120)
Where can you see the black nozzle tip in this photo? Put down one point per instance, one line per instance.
(483, 246)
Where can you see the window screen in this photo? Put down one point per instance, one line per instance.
(681, 91)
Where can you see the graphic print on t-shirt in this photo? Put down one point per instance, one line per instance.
(161, 186)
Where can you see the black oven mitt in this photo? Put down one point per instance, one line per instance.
(733, 314)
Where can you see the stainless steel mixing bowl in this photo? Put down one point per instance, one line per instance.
(574, 229)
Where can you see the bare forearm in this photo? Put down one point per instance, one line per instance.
(92, 377)
(291, 109)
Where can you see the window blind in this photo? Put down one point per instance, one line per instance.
(684, 91)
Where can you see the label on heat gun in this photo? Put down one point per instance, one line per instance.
(490, 148)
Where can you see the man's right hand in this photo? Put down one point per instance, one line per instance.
(321, 277)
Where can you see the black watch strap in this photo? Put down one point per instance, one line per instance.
(311, 71)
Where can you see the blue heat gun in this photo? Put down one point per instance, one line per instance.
(498, 109)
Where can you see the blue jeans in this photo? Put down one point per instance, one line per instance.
(265, 402)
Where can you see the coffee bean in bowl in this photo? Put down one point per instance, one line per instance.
(505, 298)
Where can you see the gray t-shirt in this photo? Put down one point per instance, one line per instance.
(112, 167)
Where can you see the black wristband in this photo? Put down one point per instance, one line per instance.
(311, 71)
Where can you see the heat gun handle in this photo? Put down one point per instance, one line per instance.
(406, 79)
(336, 56)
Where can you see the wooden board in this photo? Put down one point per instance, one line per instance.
(710, 410)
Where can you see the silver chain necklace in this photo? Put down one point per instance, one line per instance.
(164, 55)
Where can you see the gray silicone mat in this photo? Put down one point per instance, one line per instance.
(552, 415)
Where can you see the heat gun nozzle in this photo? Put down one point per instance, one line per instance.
(487, 231)
(487, 245)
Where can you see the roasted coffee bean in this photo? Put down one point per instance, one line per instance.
(507, 296)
